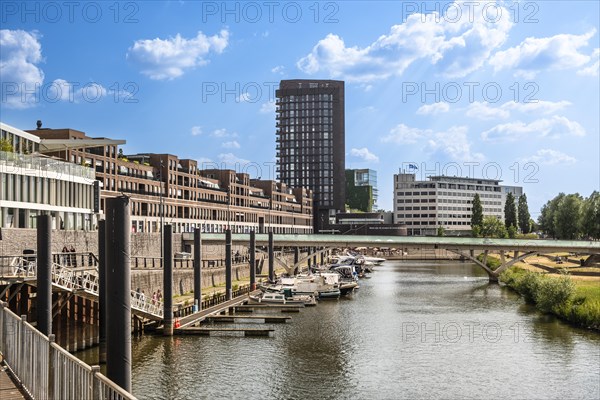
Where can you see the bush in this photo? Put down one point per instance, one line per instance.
(553, 294)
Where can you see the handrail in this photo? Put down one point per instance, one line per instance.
(47, 371)
(85, 279)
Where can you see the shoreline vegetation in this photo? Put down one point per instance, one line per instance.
(574, 299)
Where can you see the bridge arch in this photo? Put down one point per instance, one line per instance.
(492, 274)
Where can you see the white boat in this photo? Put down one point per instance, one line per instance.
(281, 298)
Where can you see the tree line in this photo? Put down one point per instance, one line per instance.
(571, 216)
(516, 219)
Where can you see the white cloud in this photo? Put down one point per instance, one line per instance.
(452, 143)
(364, 154)
(162, 59)
(196, 130)
(230, 158)
(244, 98)
(554, 127)
(280, 69)
(231, 145)
(203, 160)
(538, 107)
(457, 46)
(222, 133)
(267, 108)
(550, 157)
(434, 109)
(73, 92)
(594, 69)
(21, 77)
(484, 111)
(535, 54)
(402, 134)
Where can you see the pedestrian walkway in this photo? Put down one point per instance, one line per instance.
(8, 389)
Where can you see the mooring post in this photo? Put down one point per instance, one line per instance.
(228, 286)
(168, 280)
(102, 291)
(252, 260)
(118, 292)
(271, 258)
(198, 268)
(44, 274)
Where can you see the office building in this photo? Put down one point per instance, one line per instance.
(310, 143)
(361, 189)
(445, 201)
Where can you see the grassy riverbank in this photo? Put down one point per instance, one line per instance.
(575, 299)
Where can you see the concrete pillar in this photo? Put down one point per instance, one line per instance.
(271, 258)
(44, 274)
(502, 257)
(102, 291)
(322, 258)
(118, 292)
(252, 260)
(228, 285)
(168, 280)
(198, 268)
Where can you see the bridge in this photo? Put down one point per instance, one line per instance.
(468, 248)
(82, 281)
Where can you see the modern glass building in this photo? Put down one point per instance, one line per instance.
(310, 143)
(361, 189)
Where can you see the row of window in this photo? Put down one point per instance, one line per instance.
(41, 190)
(305, 97)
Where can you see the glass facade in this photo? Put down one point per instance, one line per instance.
(310, 140)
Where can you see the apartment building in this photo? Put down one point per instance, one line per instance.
(32, 184)
(423, 206)
(166, 189)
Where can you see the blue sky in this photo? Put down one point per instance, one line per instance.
(483, 89)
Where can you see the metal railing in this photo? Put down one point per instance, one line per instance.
(85, 279)
(47, 371)
(16, 161)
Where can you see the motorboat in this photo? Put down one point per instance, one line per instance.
(282, 298)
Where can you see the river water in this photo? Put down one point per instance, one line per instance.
(413, 330)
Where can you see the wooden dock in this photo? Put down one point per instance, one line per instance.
(268, 319)
(208, 331)
(8, 389)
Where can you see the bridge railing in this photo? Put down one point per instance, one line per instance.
(83, 278)
(47, 371)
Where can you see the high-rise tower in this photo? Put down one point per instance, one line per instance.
(311, 143)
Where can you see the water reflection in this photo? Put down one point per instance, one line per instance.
(414, 330)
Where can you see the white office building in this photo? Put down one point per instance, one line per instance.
(445, 201)
(33, 184)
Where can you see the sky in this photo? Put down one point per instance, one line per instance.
(498, 90)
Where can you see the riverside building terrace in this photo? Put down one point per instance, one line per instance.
(189, 197)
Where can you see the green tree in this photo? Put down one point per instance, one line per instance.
(591, 216)
(441, 231)
(7, 146)
(510, 211)
(567, 218)
(512, 232)
(524, 216)
(546, 218)
(476, 215)
(492, 227)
